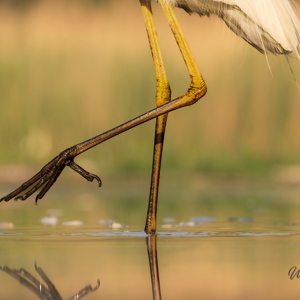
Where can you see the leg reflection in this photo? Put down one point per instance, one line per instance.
(153, 262)
(38, 288)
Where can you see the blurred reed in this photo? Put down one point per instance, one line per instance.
(70, 70)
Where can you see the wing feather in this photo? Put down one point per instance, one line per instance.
(268, 25)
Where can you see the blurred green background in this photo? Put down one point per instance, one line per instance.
(70, 70)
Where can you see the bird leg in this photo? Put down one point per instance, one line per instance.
(51, 171)
(163, 95)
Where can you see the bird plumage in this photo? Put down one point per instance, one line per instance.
(268, 25)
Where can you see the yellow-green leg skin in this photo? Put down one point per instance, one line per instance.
(196, 90)
(197, 82)
(163, 95)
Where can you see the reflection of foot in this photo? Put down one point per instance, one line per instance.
(48, 174)
(38, 288)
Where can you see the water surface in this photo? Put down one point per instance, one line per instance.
(225, 243)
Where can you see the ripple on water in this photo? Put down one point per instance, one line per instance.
(181, 234)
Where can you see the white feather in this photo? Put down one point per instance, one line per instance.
(268, 25)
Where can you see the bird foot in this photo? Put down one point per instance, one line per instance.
(47, 176)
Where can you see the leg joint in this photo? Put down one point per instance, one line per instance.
(196, 91)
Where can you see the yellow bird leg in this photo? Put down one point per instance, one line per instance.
(196, 78)
(196, 90)
(163, 95)
(47, 176)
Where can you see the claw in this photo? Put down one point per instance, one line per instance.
(36, 200)
(21, 197)
(88, 176)
(4, 199)
(97, 178)
(47, 176)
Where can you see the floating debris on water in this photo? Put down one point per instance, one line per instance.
(72, 223)
(169, 226)
(200, 220)
(49, 220)
(111, 223)
(186, 224)
(117, 225)
(6, 225)
(194, 221)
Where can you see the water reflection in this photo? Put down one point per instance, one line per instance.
(153, 263)
(49, 290)
(38, 288)
(242, 254)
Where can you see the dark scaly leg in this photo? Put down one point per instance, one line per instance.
(153, 263)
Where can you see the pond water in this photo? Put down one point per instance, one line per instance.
(225, 242)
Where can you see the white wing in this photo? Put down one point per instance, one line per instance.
(268, 25)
